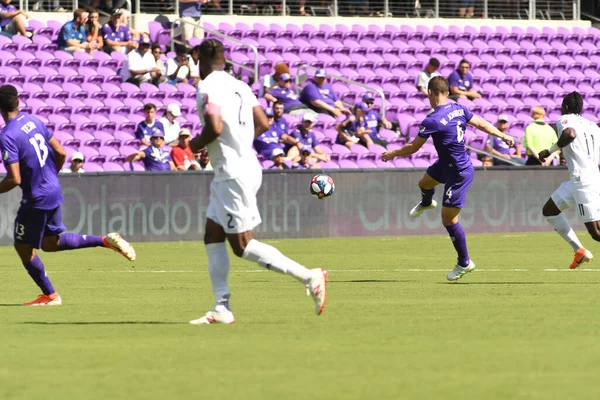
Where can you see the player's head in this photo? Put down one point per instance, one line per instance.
(278, 109)
(437, 90)
(433, 65)
(149, 112)
(572, 103)
(212, 56)
(80, 16)
(9, 100)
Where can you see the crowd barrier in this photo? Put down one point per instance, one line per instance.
(172, 206)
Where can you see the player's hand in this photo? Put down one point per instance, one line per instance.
(388, 155)
(543, 155)
(509, 140)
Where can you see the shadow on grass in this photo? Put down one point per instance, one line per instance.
(11, 305)
(518, 283)
(369, 281)
(104, 323)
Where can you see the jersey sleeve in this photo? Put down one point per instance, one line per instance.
(562, 124)
(10, 151)
(428, 127)
(468, 114)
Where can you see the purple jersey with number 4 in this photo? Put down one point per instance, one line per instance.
(24, 139)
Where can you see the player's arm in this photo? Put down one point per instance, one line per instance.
(261, 122)
(59, 152)
(406, 150)
(12, 178)
(213, 127)
(566, 138)
(490, 129)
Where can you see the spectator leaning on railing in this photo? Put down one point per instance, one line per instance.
(318, 94)
(13, 20)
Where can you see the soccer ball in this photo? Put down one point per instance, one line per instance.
(321, 186)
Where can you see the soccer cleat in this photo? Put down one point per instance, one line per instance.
(317, 287)
(46, 300)
(419, 209)
(215, 317)
(582, 256)
(117, 243)
(459, 271)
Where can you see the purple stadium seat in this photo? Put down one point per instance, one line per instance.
(347, 164)
(112, 167)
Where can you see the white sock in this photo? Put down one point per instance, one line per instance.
(271, 258)
(562, 227)
(218, 268)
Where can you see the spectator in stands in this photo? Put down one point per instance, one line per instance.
(539, 136)
(140, 65)
(13, 20)
(270, 81)
(182, 153)
(305, 135)
(352, 130)
(319, 95)
(461, 83)
(190, 12)
(282, 128)
(466, 8)
(72, 36)
(425, 76)
(116, 35)
(305, 162)
(284, 94)
(76, 166)
(161, 76)
(278, 159)
(145, 128)
(170, 124)
(374, 121)
(92, 28)
(156, 157)
(271, 139)
(178, 68)
(204, 160)
(487, 161)
(501, 149)
(194, 65)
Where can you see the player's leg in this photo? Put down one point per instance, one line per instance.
(593, 229)
(427, 184)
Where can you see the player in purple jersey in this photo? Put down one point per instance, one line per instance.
(446, 125)
(33, 157)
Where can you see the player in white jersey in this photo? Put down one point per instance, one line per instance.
(579, 141)
(232, 118)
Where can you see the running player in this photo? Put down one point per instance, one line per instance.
(580, 143)
(446, 125)
(33, 157)
(232, 118)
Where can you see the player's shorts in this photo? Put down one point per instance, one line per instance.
(233, 203)
(33, 224)
(586, 198)
(456, 183)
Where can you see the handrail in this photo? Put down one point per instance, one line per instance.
(341, 78)
(590, 16)
(198, 25)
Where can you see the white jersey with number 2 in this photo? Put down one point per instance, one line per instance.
(231, 154)
(583, 153)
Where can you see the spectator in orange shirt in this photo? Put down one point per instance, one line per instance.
(182, 153)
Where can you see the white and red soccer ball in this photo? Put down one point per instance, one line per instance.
(321, 186)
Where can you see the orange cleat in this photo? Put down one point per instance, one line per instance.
(46, 300)
(115, 242)
(582, 256)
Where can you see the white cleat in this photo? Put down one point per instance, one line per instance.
(459, 271)
(215, 317)
(419, 209)
(317, 287)
(117, 243)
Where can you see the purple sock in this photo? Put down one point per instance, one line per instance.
(72, 241)
(36, 270)
(427, 196)
(459, 240)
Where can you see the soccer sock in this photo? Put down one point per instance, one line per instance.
(218, 268)
(271, 258)
(72, 241)
(562, 227)
(459, 240)
(36, 270)
(427, 196)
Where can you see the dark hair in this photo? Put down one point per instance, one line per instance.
(149, 106)
(211, 48)
(434, 62)
(464, 61)
(181, 50)
(438, 85)
(156, 46)
(573, 103)
(278, 103)
(9, 98)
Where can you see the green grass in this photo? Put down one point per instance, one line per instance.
(393, 328)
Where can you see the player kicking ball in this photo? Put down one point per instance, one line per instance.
(232, 118)
(33, 157)
(580, 143)
(446, 125)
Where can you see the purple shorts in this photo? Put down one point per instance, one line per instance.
(456, 183)
(33, 224)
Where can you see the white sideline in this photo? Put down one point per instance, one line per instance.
(257, 271)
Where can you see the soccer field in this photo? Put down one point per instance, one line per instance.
(521, 327)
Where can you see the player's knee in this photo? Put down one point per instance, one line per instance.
(595, 233)
(238, 249)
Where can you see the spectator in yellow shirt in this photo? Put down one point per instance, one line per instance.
(538, 136)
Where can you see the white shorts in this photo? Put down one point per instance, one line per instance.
(587, 199)
(233, 204)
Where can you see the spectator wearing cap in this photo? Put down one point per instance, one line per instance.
(72, 36)
(140, 64)
(194, 65)
(305, 162)
(154, 157)
(116, 35)
(92, 29)
(277, 156)
(352, 130)
(170, 124)
(76, 166)
(539, 136)
(13, 20)
(270, 80)
(319, 95)
(146, 127)
(461, 83)
(190, 12)
(178, 68)
(373, 121)
(270, 140)
(284, 94)
(501, 149)
(306, 137)
(182, 155)
(426, 75)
